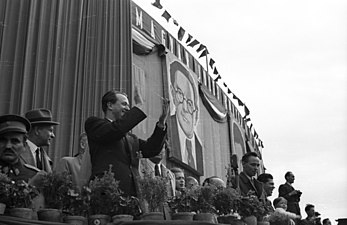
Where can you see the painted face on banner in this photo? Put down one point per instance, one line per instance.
(185, 105)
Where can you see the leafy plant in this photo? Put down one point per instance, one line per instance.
(183, 202)
(104, 194)
(21, 194)
(226, 200)
(250, 205)
(5, 184)
(205, 196)
(128, 205)
(153, 190)
(76, 202)
(55, 188)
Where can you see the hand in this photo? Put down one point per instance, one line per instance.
(165, 113)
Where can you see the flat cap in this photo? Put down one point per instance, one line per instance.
(14, 123)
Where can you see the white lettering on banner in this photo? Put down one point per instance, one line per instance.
(163, 37)
(138, 18)
(152, 30)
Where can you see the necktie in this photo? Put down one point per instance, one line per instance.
(190, 157)
(38, 159)
(156, 170)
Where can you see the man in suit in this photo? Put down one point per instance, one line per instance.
(72, 165)
(288, 192)
(39, 136)
(154, 167)
(13, 130)
(185, 143)
(247, 183)
(111, 143)
(269, 185)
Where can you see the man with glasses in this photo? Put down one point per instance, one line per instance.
(186, 146)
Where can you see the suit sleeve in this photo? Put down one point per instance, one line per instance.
(101, 130)
(154, 144)
(283, 191)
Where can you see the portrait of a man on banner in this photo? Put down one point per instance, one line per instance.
(186, 146)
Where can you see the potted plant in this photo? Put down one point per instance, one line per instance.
(104, 197)
(251, 209)
(203, 206)
(5, 183)
(54, 188)
(126, 209)
(76, 205)
(153, 193)
(21, 195)
(182, 205)
(226, 202)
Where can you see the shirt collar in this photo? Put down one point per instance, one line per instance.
(32, 146)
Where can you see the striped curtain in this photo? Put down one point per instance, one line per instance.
(63, 55)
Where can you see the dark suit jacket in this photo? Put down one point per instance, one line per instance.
(176, 147)
(111, 144)
(246, 186)
(293, 200)
(28, 158)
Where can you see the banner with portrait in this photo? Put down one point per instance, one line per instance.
(186, 147)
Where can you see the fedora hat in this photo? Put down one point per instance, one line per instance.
(40, 116)
(13, 123)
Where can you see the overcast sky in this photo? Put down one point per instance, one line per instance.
(287, 61)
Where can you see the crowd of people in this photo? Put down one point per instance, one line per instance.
(108, 141)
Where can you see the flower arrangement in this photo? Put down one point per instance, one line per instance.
(153, 190)
(129, 205)
(183, 202)
(21, 194)
(55, 188)
(104, 194)
(226, 201)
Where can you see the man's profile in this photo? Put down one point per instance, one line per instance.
(184, 117)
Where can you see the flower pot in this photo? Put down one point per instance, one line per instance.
(152, 216)
(25, 213)
(53, 215)
(230, 220)
(207, 217)
(99, 219)
(263, 223)
(76, 220)
(122, 217)
(2, 208)
(250, 220)
(188, 216)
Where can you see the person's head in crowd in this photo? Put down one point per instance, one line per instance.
(289, 176)
(191, 182)
(13, 130)
(215, 181)
(310, 210)
(268, 182)
(326, 221)
(179, 178)
(280, 202)
(115, 104)
(83, 144)
(250, 162)
(185, 97)
(42, 127)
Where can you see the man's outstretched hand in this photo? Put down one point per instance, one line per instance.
(165, 113)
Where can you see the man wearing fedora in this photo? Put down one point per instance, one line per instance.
(13, 130)
(40, 135)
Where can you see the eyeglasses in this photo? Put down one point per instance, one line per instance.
(180, 97)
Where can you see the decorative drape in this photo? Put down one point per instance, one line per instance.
(63, 55)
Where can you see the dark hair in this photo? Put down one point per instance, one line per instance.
(265, 177)
(325, 220)
(277, 200)
(246, 156)
(110, 96)
(287, 174)
(308, 207)
(208, 180)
